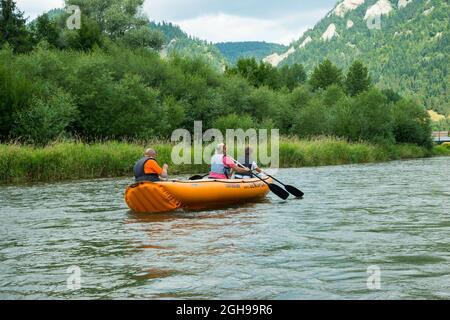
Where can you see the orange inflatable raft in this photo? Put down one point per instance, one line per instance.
(163, 196)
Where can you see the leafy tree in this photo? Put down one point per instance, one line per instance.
(13, 27)
(262, 103)
(365, 117)
(144, 37)
(132, 100)
(125, 108)
(234, 121)
(118, 19)
(292, 76)
(312, 120)
(391, 95)
(114, 17)
(247, 68)
(86, 38)
(333, 95)
(173, 115)
(45, 120)
(357, 79)
(411, 123)
(300, 96)
(258, 74)
(235, 92)
(46, 29)
(325, 75)
(267, 75)
(288, 106)
(16, 91)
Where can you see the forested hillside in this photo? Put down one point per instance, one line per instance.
(409, 53)
(232, 51)
(179, 42)
(219, 54)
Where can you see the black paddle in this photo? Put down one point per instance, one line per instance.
(198, 177)
(291, 189)
(273, 187)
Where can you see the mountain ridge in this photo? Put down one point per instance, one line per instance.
(235, 50)
(217, 54)
(406, 49)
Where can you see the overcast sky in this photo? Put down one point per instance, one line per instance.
(224, 20)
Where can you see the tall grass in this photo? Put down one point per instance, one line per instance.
(77, 160)
(442, 150)
(332, 151)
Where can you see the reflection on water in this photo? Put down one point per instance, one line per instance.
(392, 215)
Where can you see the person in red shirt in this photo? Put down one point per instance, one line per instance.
(221, 164)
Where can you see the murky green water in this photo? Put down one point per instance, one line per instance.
(393, 215)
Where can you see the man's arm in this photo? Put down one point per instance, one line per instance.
(256, 168)
(230, 162)
(153, 166)
(164, 173)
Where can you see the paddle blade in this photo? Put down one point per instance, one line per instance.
(294, 191)
(196, 178)
(278, 191)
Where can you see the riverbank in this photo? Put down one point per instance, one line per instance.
(76, 160)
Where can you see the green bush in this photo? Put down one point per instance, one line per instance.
(312, 120)
(86, 38)
(234, 121)
(365, 117)
(143, 37)
(263, 103)
(442, 150)
(411, 123)
(16, 92)
(45, 120)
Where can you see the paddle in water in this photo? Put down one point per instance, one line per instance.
(273, 187)
(291, 189)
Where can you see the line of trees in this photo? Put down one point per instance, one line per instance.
(357, 79)
(114, 20)
(124, 90)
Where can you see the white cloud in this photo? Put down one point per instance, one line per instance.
(223, 27)
(34, 8)
(221, 20)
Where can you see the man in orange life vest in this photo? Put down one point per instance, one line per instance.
(147, 169)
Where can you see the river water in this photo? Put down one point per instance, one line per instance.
(391, 219)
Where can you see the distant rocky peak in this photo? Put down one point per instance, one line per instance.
(382, 7)
(346, 6)
(330, 33)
